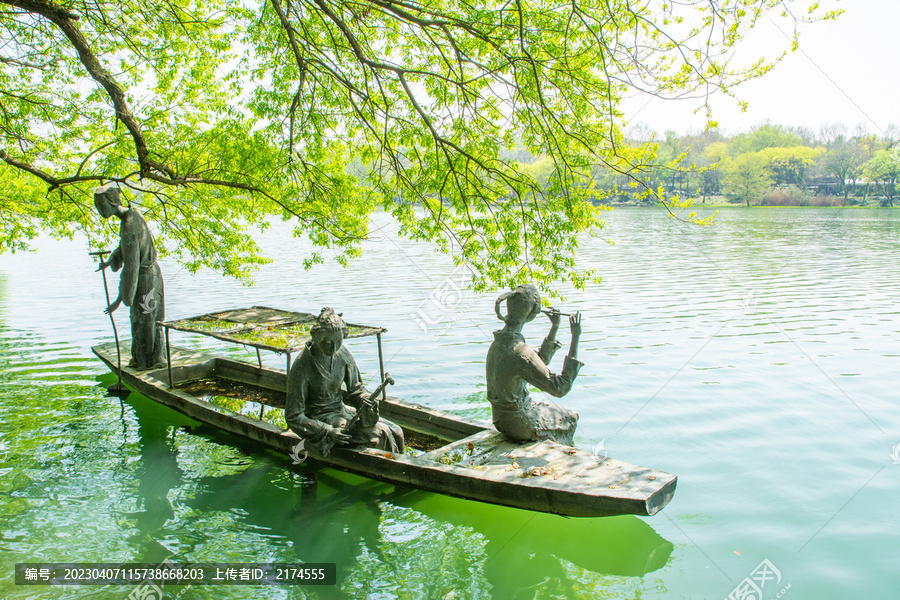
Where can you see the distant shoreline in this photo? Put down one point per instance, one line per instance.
(726, 204)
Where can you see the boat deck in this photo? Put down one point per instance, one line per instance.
(549, 463)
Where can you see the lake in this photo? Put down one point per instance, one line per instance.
(757, 358)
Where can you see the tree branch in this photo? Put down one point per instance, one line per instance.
(23, 63)
(65, 20)
(301, 64)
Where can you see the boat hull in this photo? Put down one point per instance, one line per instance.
(474, 461)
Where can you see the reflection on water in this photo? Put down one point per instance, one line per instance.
(384, 539)
(756, 359)
(157, 474)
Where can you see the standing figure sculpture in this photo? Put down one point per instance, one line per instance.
(141, 282)
(318, 410)
(512, 365)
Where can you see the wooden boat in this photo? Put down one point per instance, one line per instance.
(448, 454)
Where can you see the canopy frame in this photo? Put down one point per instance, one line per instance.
(263, 328)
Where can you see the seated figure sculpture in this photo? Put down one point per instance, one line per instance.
(318, 410)
(512, 366)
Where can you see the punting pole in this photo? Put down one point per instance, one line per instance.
(381, 362)
(169, 359)
(116, 389)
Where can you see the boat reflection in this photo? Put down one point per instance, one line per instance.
(382, 537)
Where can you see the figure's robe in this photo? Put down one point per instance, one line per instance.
(511, 366)
(141, 289)
(315, 398)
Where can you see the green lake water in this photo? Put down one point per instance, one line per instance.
(758, 359)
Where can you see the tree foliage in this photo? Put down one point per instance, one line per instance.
(746, 177)
(765, 136)
(844, 161)
(812, 173)
(789, 166)
(219, 115)
(883, 169)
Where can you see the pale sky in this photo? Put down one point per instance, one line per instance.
(845, 71)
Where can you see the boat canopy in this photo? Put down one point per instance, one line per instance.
(261, 327)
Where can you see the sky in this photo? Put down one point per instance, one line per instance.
(845, 71)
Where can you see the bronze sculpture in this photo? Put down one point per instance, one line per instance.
(512, 365)
(141, 282)
(319, 410)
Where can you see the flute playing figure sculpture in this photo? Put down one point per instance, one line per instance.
(141, 282)
(512, 365)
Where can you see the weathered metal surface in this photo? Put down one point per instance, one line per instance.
(512, 367)
(141, 281)
(477, 464)
(570, 477)
(260, 327)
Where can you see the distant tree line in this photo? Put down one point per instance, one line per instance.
(771, 165)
